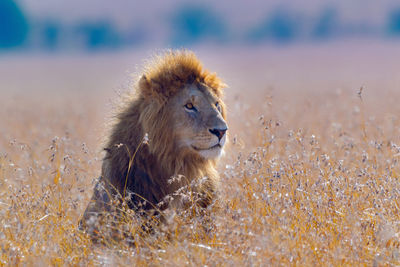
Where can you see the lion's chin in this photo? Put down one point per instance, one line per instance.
(209, 153)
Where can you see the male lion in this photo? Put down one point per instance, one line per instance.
(178, 107)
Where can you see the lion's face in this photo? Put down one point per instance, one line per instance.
(199, 125)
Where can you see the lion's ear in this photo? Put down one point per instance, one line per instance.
(149, 87)
(145, 85)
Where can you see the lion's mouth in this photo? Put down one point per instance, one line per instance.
(210, 148)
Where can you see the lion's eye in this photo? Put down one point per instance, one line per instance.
(190, 106)
(218, 106)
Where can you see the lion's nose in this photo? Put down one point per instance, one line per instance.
(218, 132)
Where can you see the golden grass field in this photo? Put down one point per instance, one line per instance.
(311, 176)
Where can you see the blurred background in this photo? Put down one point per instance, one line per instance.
(55, 26)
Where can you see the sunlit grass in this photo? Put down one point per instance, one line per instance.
(309, 179)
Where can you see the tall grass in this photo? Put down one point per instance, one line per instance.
(309, 179)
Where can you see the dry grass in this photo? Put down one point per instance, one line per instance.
(311, 178)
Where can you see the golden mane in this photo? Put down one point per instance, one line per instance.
(170, 71)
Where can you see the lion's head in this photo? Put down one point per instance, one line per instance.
(183, 112)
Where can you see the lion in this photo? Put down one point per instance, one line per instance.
(173, 127)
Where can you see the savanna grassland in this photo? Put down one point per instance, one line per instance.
(311, 175)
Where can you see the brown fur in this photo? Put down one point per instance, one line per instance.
(147, 173)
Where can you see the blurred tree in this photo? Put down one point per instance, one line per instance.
(194, 23)
(327, 24)
(13, 25)
(51, 34)
(99, 35)
(394, 22)
(282, 27)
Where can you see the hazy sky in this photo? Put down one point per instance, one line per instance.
(238, 12)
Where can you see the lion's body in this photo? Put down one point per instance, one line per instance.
(142, 170)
